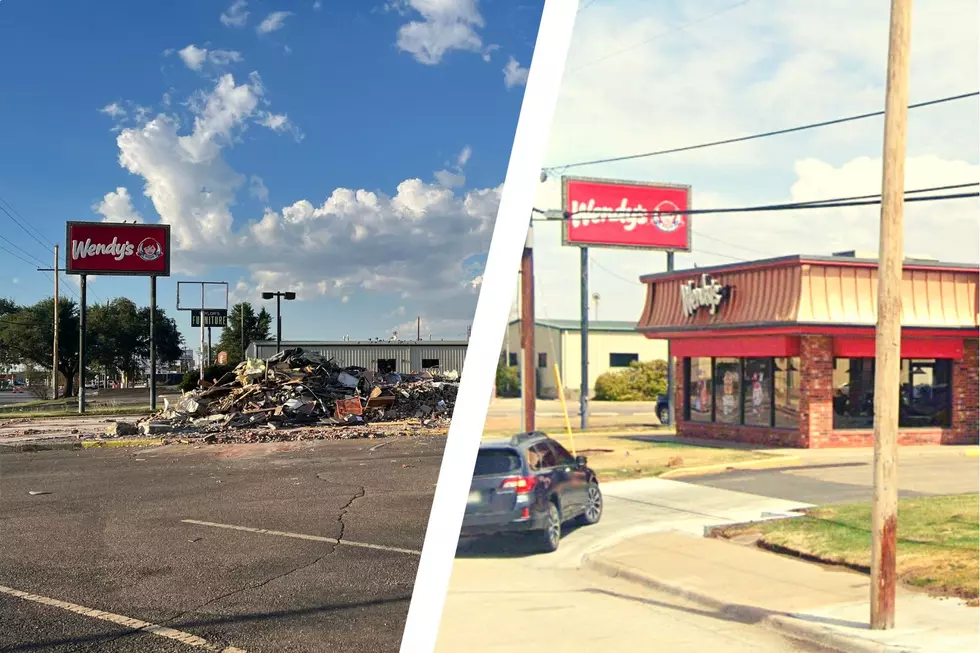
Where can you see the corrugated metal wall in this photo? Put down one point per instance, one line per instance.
(408, 357)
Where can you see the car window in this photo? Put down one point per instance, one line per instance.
(496, 462)
(562, 454)
(540, 456)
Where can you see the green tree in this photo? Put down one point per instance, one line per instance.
(257, 327)
(119, 337)
(7, 307)
(27, 334)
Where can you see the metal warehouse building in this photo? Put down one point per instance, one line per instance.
(401, 356)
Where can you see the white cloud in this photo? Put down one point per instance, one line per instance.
(274, 21)
(446, 25)
(256, 187)
(514, 74)
(117, 206)
(756, 68)
(455, 179)
(414, 243)
(195, 57)
(113, 110)
(236, 15)
(317, 5)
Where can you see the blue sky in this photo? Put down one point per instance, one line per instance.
(236, 122)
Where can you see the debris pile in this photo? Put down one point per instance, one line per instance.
(294, 389)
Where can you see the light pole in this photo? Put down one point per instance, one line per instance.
(288, 296)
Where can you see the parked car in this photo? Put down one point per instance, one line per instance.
(663, 409)
(530, 485)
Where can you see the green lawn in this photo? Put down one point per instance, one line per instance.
(938, 540)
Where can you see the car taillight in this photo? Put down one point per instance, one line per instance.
(519, 484)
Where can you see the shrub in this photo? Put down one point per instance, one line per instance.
(638, 382)
(212, 373)
(508, 381)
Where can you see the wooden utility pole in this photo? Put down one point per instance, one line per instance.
(888, 332)
(54, 344)
(528, 385)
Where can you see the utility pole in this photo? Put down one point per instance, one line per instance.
(528, 385)
(418, 327)
(888, 331)
(54, 345)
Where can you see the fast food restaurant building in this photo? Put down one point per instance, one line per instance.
(781, 351)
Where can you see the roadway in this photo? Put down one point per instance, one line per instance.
(143, 549)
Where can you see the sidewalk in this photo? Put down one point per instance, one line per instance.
(822, 604)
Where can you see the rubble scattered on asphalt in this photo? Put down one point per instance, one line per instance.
(297, 396)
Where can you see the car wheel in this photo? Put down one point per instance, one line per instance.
(551, 535)
(593, 505)
(664, 416)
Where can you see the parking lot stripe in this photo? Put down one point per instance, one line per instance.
(129, 622)
(302, 536)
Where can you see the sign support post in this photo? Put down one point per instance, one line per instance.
(670, 362)
(583, 400)
(81, 343)
(153, 343)
(202, 332)
(55, 316)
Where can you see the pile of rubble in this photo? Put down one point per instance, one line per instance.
(294, 389)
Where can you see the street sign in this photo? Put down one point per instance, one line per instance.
(213, 317)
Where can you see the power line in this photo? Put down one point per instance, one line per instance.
(21, 224)
(28, 254)
(15, 255)
(672, 30)
(816, 204)
(740, 139)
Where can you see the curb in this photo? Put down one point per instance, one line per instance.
(763, 463)
(784, 623)
(33, 447)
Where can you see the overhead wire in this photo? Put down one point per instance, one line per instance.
(18, 221)
(740, 139)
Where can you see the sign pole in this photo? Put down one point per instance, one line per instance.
(888, 331)
(670, 362)
(528, 386)
(241, 312)
(54, 344)
(82, 283)
(202, 331)
(210, 359)
(153, 343)
(583, 400)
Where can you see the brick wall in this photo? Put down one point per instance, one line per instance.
(966, 397)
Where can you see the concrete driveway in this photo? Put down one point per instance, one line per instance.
(503, 597)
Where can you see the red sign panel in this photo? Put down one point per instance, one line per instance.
(112, 248)
(607, 213)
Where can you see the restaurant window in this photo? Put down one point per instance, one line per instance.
(542, 360)
(699, 402)
(925, 392)
(757, 399)
(786, 392)
(512, 359)
(622, 360)
(727, 379)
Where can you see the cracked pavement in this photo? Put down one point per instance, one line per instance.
(110, 537)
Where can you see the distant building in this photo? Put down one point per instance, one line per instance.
(612, 345)
(386, 356)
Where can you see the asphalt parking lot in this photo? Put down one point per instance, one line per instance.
(163, 549)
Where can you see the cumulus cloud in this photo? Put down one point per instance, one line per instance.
(195, 57)
(274, 21)
(416, 242)
(117, 206)
(236, 15)
(446, 25)
(455, 178)
(514, 74)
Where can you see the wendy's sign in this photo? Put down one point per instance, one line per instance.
(609, 213)
(112, 248)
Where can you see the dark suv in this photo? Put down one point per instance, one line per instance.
(530, 485)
